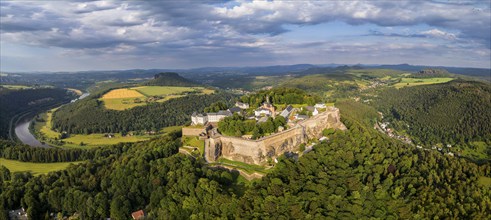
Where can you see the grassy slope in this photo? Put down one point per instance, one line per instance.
(162, 90)
(408, 82)
(34, 168)
(121, 103)
(16, 87)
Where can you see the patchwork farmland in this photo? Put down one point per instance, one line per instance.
(126, 98)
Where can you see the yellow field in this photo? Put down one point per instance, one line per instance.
(34, 168)
(122, 99)
(122, 93)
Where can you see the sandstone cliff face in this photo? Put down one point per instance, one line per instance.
(258, 151)
(328, 119)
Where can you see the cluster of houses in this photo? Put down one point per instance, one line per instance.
(261, 114)
(384, 127)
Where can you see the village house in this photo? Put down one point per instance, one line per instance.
(286, 112)
(313, 110)
(139, 215)
(320, 105)
(262, 111)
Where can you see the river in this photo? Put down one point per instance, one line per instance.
(24, 134)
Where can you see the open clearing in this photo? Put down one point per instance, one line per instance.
(407, 82)
(126, 98)
(34, 168)
(484, 181)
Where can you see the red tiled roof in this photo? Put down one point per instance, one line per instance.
(138, 214)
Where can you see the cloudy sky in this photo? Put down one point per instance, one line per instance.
(100, 35)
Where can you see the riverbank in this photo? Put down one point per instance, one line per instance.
(20, 124)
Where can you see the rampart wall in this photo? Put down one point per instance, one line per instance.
(258, 151)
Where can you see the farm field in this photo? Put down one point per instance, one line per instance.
(122, 93)
(34, 168)
(126, 98)
(408, 82)
(162, 90)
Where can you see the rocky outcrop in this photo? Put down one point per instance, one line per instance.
(258, 151)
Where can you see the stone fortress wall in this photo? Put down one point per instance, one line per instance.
(258, 151)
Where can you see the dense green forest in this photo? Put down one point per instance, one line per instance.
(452, 113)
(13, 102)
(281, 95)
(170, 79)
(358, 174)
(237, 125)
(90, 116)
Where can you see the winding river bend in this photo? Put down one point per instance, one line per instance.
(24, 134)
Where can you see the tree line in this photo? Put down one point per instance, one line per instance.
(18, 151)
(280, 95)
(237, 125)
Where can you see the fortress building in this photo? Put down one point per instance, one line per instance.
(272, 146)
(202, 119)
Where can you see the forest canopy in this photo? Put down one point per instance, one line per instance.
(450, 113)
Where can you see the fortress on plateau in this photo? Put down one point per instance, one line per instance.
(269, 147)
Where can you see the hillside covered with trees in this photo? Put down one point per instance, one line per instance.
(170, 79)
(457, 112)
(89, 115)
(359, 173)
(281, 95)
(13, 102)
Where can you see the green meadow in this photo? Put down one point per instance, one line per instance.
(34, 168)
(408, 82)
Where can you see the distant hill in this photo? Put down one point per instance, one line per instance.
(254, 70)
(170, 79)
(479, 72)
